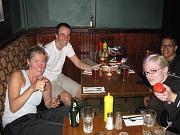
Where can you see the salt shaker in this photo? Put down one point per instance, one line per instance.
(109, 121)
(118, 121)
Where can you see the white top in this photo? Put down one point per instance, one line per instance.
(56, 59)
(29, 106)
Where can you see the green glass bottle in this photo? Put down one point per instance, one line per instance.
(74, 114)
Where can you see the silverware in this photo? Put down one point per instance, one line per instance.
(128, 117)
(93, 89)
(134, 118)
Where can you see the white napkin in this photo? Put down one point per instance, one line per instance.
(87, 72)
(93, 89)
(133, 120)
(131, 71)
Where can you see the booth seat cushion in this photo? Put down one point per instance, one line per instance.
(12, 58)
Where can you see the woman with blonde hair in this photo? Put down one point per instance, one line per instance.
(166, 104)
(26, 89)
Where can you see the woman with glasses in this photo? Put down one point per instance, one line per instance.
(155, 68)
(168, 49)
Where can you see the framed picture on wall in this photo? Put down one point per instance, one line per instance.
(1, 12)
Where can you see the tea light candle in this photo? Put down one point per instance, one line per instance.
(102, 59)
(109, 74)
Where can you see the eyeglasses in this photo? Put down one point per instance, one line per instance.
(152, 71)
(167, 46)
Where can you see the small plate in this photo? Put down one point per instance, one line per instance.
(123, 133)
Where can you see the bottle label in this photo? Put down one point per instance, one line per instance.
(77, 117)
(91, 23)
(69, 118)
(74, 105)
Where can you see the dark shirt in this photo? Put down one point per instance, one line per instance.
(173, 109)
(174, 66)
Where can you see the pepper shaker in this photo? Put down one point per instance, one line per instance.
(118, 121)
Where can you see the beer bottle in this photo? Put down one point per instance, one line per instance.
(74, 114)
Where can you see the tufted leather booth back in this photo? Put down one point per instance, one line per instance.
(12, 58)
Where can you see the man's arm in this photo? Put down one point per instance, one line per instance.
(78, 63)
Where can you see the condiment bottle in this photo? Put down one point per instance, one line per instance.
(108, 105)
(105, 52)
(91, 21)
(100, 50)
(74, 114)
(109, 121)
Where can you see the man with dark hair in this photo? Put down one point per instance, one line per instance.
(168, 48)
(57, 51)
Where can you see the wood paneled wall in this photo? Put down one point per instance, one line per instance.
(83, 39)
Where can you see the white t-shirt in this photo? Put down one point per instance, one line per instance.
(56, 59)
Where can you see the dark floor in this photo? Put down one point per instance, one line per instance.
(127, 105)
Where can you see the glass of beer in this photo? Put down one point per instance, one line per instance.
(95, 73)
(149, 117)
(124, 72)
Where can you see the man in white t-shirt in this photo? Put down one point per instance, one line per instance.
(57, 51)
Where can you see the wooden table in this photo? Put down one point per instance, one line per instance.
(133, 87)
(99, 125)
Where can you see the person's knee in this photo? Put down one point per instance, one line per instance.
(65, 98)
(78, 95)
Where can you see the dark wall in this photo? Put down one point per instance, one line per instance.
(129, 13)
(5, 26)
(15, 14)
(106, 13)
(171, 17)
(12, 19)
(42, 13)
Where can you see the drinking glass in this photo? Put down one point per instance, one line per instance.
(149, 117)
(87, 114)
(158, 130)
(94, 54)
(124, 72)
(95, 73)
(118, 121)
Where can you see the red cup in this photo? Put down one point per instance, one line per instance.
(95, 73)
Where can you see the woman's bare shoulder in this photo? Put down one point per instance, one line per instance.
(17, 75)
